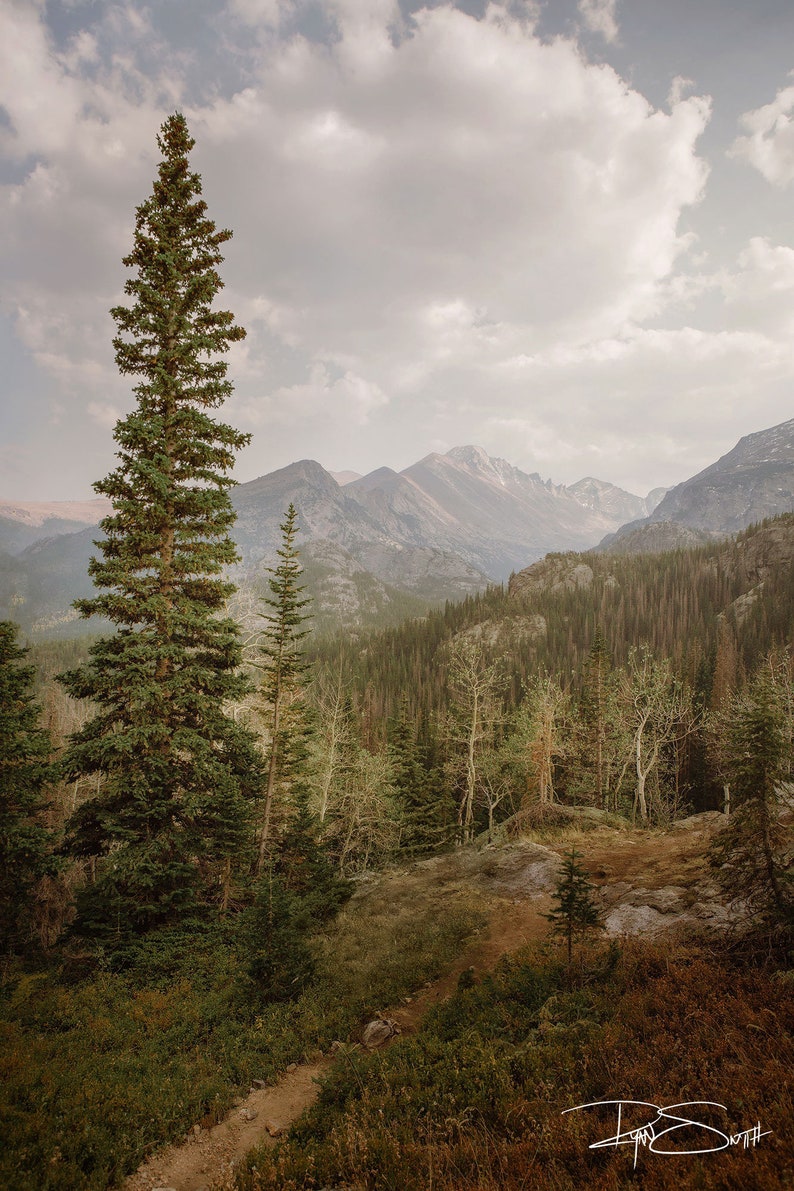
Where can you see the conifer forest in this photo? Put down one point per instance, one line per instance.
(231, 842)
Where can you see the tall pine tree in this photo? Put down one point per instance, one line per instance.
(284, 673)
(752, 854)
(428, 810)
(177, 772)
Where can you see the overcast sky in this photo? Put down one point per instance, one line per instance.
(561, 231)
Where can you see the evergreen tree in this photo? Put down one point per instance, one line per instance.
(597, 717)
(428, 810)
(305, 864)
(284, 674)
(177, 772)
(24, 772)
(751, 854)
(280, 960)
(575, 912)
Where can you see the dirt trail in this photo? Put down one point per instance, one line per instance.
(207, 1157)
(205, 1160)
(200, 1163)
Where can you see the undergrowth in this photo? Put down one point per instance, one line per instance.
(96, 1070)
(477, 1098)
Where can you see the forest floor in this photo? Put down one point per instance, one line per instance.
(647, 881)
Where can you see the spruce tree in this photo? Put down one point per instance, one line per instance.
(428, 810)
(275, 929)
(751, 855)
(25, 843)
(597, 696)
(176, 771)
(575, 912)
(305, 864)
(284, 675)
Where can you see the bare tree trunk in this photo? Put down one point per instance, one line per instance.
(471, 775)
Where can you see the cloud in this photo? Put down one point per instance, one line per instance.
(417, 203)
(769, 143)
(599, 17)
(759, 292)
(469, 165)
(322, 398)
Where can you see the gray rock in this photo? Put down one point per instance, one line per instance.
(635, 920)
(668, 900)
(615, 891)
(524, 869)
(705, 821)
(378, 1032)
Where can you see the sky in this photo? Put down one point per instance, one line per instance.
(560, 230)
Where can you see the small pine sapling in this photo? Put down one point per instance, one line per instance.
(575, 912)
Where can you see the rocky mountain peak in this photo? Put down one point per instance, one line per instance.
(752, 481)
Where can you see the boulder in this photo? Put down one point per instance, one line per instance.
(378, 1032)
(635, 920)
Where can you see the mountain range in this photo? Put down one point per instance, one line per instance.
(385, 545)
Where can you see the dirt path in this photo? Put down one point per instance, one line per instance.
(205, 1160)
(208, 1155)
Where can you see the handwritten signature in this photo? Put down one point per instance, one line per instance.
(667, 1122)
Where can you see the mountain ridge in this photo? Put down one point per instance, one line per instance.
(754, 480)
(443, 528)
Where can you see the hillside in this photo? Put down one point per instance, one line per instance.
(496, 1038)
(674, 602)
(753, 481)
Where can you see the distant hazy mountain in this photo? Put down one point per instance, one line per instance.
(488, 512)
(753, 481)
(346, 477)
(440, 529)
(25, 522)
(655, 537)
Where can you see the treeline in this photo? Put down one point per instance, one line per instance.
(680, 605)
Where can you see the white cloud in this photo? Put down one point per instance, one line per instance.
(600, 17)
(440, 225)
(475, 165)
(769, 143)
(349, 398)
(759, 292)
(104, 414)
